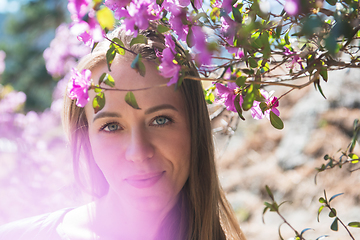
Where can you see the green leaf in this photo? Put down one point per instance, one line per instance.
(271, 195)
(215, 13)
(354, 157)
(105, 18)
(263, 106)
(253, 63)
(269, 205)
(336, 195)
(162, 28)
(319, 211)
(305, 230)
(209, 96)
(94, 46)
(99, 102)
(240, 81)
(334, 226)
(130, 99)
(119, 46)
(138, 40)
(324, 74)
(322, 200)
(332, 213)
(238, 107)
(287, 38)
(259, 97)
(101, 79)
(278, 30)
(354, 224)
(276, 121)
(237, 15)
(189, 38)
(97, 90)
(249, 97)
(138, 65)
(317, 84)
(109, 80)
(110, 55)
(264, 211)
(322, 237)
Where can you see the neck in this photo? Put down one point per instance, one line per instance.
(114, 219)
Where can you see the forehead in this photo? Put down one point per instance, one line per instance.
(153, 87)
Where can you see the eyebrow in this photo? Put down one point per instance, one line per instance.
(160, 107)
(148, 111)
(106, 114)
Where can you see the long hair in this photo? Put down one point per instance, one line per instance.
(204, 213)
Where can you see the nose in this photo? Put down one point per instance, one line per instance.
(139, 147)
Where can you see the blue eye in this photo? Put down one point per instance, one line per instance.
(110, 127)
(159, 121)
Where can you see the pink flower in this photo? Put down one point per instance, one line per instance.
(227, 6)
(292, 7)
(78, 8)
(199, 39)
(78, 86)
(168, 67)
(88, 32)
(238, 53)
(228, 95)
(138, 13)
(271, 102)
(295, 58)
(198, 4)
(64, 49)
(177, 18)
(116, 4)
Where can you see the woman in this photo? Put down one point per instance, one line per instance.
(151, 170)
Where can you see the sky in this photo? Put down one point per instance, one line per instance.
(9, 6)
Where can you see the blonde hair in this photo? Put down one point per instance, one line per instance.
(204, 213)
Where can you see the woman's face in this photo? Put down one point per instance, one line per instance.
(144, 154)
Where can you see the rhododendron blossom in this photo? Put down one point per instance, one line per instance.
(203, 55)
(228, 94)
(116, 4)
(271, 102)
(78, 8)
(79, 85)
(177, 18)
(295, 58)
(137, 14)
(87, 31)
(169, 67)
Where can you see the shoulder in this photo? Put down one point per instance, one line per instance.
(42, 227)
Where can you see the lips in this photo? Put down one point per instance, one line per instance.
(144, 180)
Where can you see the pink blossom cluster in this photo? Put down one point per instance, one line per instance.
(78, 86)
(169, 68)
(63, 52)
(295, 58)
(136, 14)
(32, 151)
(227, 95)
(88, 31)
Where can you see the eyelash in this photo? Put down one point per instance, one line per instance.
(169, 120)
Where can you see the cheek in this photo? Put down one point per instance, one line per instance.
(106, 154)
